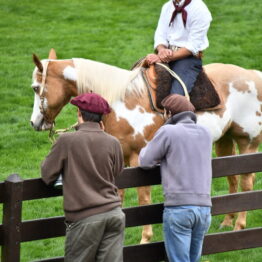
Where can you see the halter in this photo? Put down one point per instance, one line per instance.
(52, 131)
(42, 87)
(42, 99)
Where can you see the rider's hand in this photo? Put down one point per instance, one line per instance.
(152, 59)
(165, 55)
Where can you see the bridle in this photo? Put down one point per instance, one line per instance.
(42, 101)
(52, 131)
(42, 88)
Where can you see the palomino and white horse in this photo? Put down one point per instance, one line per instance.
(132, 121)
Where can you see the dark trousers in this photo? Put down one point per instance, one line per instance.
(187, 69)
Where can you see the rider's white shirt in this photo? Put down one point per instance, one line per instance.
(193, 36)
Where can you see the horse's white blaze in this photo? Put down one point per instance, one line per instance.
(37, 116)
(249, 117)
(70, 73)
(137, 118)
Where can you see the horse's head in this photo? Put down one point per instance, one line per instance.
(52, 90)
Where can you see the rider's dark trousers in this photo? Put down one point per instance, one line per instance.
(187, 69)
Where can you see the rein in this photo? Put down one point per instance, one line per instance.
(141, 63)
(172, 73)
(53, 132)
(149, 85)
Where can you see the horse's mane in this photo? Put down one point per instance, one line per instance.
(110, 82)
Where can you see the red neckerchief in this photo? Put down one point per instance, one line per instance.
(180, 9)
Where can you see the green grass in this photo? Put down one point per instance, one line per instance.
(116, 32)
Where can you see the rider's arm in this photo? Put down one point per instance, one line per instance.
(160, 38)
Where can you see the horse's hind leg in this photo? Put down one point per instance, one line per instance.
(247, 180)
(121, 193)
(225, 147)
(144, 198)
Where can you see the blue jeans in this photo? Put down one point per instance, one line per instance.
(184, 230)
(188, 70)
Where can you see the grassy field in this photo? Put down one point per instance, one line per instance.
(116, 32)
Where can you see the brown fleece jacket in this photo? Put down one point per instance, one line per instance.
(89, 160)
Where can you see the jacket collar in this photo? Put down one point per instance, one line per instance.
(89, 126)
(186, 117)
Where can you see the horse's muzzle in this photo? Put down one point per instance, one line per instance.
(44, 126)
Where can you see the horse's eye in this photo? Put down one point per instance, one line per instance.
(36, 88)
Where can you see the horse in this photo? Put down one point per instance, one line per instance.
(237, 122)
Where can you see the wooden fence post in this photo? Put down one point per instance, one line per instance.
(12, 213)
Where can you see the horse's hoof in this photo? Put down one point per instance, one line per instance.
(144, 241)
(222, 226)
(239, 227)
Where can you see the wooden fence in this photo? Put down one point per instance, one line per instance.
(14, 231)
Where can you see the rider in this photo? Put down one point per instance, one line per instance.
(180, 38)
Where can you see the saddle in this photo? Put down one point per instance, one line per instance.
(159, 81)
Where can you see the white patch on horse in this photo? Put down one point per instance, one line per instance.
(136, 118)
(70, 73)
(247, 118)
(259, 73)
(214, 123)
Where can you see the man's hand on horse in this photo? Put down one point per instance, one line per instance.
(165, 55)
(152, 59)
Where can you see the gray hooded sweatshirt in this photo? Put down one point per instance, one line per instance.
(183, 149)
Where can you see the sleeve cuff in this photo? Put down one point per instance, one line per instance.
(193, 50)
(165, 43)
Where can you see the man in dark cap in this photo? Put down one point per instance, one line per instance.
(183, 149)
(89, 160)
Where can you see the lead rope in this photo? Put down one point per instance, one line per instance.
(172, 73)
(53, 132)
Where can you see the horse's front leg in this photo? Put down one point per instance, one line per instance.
(225, 147)
(247, 180)
(144, 198)
(233, 187)
(121, 193)
(247, 183)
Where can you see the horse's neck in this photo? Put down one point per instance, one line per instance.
(111, 82)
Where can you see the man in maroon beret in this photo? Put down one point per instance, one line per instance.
(183, 149)
(89, 160)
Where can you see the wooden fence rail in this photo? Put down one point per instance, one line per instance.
(14, 231)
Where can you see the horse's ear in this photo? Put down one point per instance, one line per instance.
(52, 54)
(38, 63)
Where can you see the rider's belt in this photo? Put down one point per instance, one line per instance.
(176, 48)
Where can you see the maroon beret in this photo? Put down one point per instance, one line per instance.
(91, 102)
(177, 104)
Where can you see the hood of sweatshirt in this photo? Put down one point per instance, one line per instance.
(186, 117)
